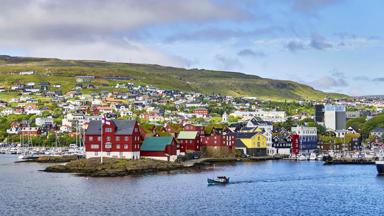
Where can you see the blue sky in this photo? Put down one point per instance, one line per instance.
(332, 45)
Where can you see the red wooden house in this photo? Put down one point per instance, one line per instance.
(189, 141)
(30, 131)
(295, 144)
(159, 148)
(191, 127)
(115, 138)
(201, 112)
(218, 138)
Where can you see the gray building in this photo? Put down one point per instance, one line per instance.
(335, 117)
(353, 114)
(319, 113)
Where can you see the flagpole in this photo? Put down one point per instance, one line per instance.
(101, 159)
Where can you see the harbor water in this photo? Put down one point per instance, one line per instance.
(261, 188)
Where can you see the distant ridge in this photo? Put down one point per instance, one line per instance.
(198, 80)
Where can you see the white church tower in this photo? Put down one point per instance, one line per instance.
(225, 117)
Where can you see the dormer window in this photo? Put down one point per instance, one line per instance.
(108, 130)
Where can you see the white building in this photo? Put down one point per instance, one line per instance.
(44, 121)
(26, 72)
(224, 117)
(335, 117)
(271, 116)
(307, 138)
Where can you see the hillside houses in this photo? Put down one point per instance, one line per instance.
(195, 121)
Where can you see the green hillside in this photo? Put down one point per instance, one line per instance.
(204, 81)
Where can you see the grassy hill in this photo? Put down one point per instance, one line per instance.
(204, 81)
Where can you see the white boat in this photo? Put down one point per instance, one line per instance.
(302, 158)
(312, 156)
(28, 155)
(320, 157)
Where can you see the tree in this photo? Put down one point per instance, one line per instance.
(357, 123)
(371, 124)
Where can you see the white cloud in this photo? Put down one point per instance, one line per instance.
(96, 29)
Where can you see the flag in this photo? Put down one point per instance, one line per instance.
(104, 120)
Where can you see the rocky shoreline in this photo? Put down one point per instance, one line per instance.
(112, 167)
(350, 161)
(52, 159)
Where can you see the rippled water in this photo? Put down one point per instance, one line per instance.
(265, 188)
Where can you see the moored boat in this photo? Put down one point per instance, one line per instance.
(380, 167)
(312, 156)
(219, 180)
(302, 158)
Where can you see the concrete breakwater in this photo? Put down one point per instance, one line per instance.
(361, 161)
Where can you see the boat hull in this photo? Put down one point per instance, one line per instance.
(213, 181)
(380, 167)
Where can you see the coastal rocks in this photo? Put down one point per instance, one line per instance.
(113, 167)
(53, 159)
(361, 161)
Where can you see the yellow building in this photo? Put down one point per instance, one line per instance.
(252, 143)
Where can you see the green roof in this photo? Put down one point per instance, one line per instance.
(156, 143)
(187, 135)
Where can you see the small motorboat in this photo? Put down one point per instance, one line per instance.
(302, 158)
(219, 180)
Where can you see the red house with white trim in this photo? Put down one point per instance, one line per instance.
(191, 127)
(203, 112)
(115, 138)
(160, 148)
(219, 139)
(189, 141)
(30, 131)
(295, 144)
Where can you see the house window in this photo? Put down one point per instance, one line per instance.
(117, 138)
(108, 138)
(136, 130)
(108, 130)
(118, 146)
(125, 146)
(96, 153)
(108, 153)
(98, 138)
(126, 138)
(121, 154)
(94, 146)
(90, 138)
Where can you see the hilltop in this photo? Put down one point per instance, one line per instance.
(199, 80)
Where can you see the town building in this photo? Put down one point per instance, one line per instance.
(264, 115)
(267, 128)
(251, 144)
(353, 114)
(335, 117)
(377, 132)
(201, 112)
(307, 138)
(191, 127)
(44, 122)
(118, 139)
(219, 139)
(30, 131)
(319, 113)
(282, 144)
(189, 141)
(160, 148)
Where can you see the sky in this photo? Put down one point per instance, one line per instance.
(331, 45)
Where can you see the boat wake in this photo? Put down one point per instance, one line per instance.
(290, 179)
